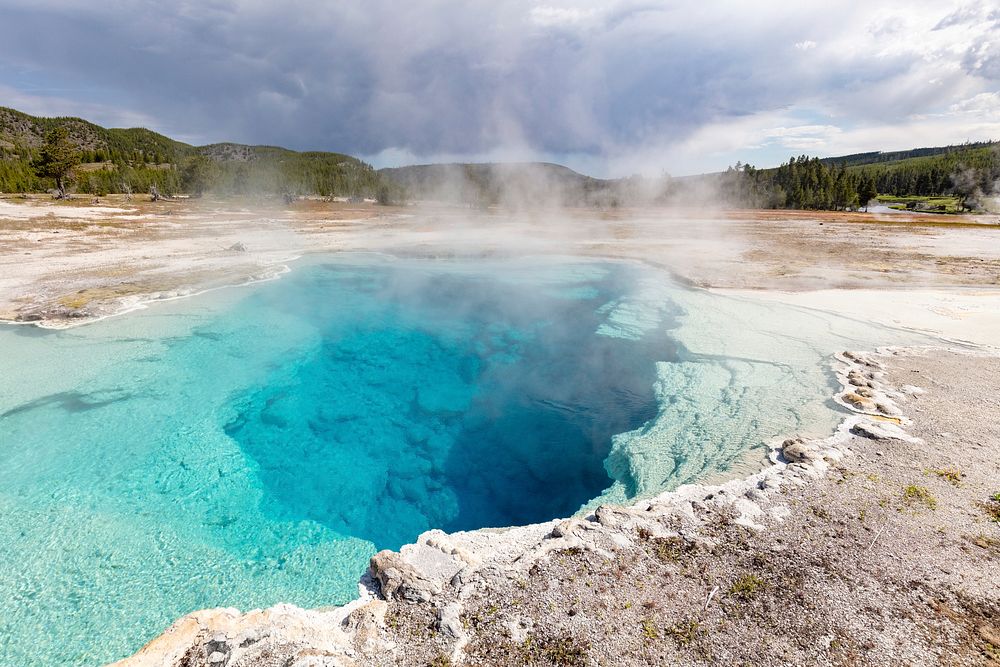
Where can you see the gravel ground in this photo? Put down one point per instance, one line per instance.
(893, 558)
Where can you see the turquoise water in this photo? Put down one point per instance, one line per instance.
(451, 400)
(257, 445)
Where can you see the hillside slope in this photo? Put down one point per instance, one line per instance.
(21, 133)
(134, 159)
(880, 157)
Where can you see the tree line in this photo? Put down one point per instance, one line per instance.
(969, 173)
(800, 183)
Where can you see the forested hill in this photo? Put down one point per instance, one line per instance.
(968, 176)
(117, 160)
(21, 133)
(966, 173)
(958, 170)
(880, 157)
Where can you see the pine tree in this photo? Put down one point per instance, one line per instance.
(57, 157)
(867, 191)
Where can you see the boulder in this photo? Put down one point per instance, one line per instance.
(797, 451)
(398, 580)
(449, 621)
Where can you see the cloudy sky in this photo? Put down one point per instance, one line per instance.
(610, 88)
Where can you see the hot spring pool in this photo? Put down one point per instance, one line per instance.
(257, 445)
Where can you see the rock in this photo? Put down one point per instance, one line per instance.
(797, 451)
(883, 431)
(367, 626)
(567, 527)
(857, 379)
(449, 621)
(833, 455)
(237, 247)
(612, 517)
(867, 431)
(989, 634)
(772, 482)
(217, 648)
(462, 578)
(398, 580)
(859, 402)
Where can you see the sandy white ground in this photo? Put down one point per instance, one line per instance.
(69, 262)
(959, 315)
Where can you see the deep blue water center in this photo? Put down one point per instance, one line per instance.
(444, 399)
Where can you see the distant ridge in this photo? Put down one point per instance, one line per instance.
(19, 130)
(879, 157)
(487, 184)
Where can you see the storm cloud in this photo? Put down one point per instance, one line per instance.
(608, 87)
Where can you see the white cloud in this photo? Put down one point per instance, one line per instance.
(802, 137)
(547, 16)
(963, 15)
(987, 104)
(805, 45)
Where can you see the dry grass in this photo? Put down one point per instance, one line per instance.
(914, 494)
(950, 474)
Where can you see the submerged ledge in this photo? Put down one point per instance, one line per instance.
(443, 576)
(59, 319)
